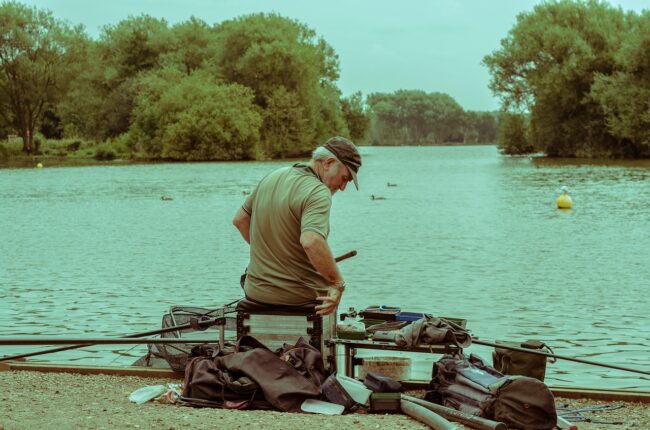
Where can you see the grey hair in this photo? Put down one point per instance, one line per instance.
(321, 154)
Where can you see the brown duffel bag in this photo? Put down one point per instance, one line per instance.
(206, 384)
(245, 378)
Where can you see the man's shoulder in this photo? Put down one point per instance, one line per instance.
(312, 186)
(304, 182)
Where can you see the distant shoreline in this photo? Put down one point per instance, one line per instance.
(31, 161)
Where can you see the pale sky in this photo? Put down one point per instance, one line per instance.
(383, 45)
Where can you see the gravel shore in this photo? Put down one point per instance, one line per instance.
(34, 400)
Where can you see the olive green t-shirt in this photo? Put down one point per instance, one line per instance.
(284, 204)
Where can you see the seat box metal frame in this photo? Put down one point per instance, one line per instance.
(274, 329)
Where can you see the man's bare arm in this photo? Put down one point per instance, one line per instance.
(321, 257)
(243, 223)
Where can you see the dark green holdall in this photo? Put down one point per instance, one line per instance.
(521, 363)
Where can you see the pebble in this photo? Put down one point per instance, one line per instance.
(116, 411)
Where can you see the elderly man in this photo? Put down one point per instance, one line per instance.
(286, 222)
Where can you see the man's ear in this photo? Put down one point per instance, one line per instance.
(329, 163)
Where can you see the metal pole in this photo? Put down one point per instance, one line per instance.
(453, 415)
(334, 317)
(426, 416)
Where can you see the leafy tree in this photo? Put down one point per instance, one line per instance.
(513, 135)
(51, 126)
(81, 108)
(284, 123)
(624, 94)
(356, 116)
(133, 45)
(192, 45)
(101, 99)
(329, 119)
(444, 117)
(387, 126)
(38, 60)
(480, 127)
(99, 102)
(284, 63)
(546, 66)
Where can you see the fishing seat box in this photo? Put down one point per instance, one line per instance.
(275, 325)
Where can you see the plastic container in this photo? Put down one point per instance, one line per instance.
(355, 389)
(397, 368)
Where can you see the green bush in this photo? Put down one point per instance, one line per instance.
(104, 154)
(37, 143)
(74, 146)
(121, 144)
(194, 119)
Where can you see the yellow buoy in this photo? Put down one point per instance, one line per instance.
(564, 201)
(39, 166)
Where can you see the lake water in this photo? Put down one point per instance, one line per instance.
(94, 251)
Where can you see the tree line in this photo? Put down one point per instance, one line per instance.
(414, 117)
(255, 87)
(574, 81)
(258, 86)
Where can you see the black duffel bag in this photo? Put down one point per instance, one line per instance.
(470, 385)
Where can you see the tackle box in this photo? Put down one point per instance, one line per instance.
(350, 332)
(380, 312)
(409, 316)
(385, 403)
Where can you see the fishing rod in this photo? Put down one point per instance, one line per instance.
(41, 340)
(202, 324)
(346, 256)
(560, 357)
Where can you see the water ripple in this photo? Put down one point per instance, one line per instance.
(466, 233)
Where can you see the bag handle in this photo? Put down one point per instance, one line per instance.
(537, 344)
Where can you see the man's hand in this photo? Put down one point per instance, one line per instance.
(329, 302)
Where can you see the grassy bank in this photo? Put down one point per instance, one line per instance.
(66, 152)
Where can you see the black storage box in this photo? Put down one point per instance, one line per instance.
(381, 384)
(385, 403)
